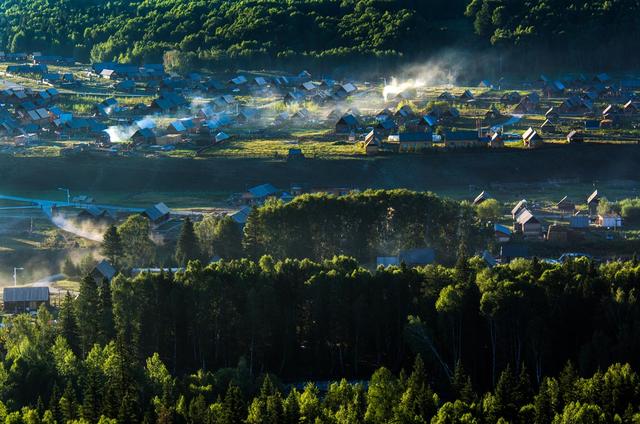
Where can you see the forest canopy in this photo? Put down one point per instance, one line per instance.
(221, 33)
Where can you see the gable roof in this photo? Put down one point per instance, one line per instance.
(157, 211)
(105, 269)
(25, 294)
(526, 217)
(263, 190)
(240, 216)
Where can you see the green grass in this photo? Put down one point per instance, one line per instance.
(280, 148)
(39, 151)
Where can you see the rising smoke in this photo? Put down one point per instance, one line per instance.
(87, 230)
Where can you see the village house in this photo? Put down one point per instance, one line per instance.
(519, 207)
(96, 215)
(480, 198)
(575, 137)
(547, 127)
(103, 271)
(259, 194)
(630, 108)
(169, 139)
(455, 139)
(221, 136)
(579, 220)
(294, 97)
(565, 205)
(512, 97)
(492, 114)
(24, 299)
(372, 143)
(144, 136)
(532, 139)
(240, 216)
(347, 124)
(466, 96)
(557, 233)
(157, 214)
(411, 142)
(502, 233)
(383, 115)
(528, 225)
(610, 220)
(126, 86)
(496, 141)
(552, 114)
(405, 112)
(427, 123)
(345, 90)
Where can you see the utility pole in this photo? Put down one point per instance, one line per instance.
(15, 275)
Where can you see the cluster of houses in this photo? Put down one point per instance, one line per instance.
(530, 221)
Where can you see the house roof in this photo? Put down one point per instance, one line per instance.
(499, 228)
(105, 269)
(241, 216)
(263, 190)
(157, 211)
(526, 217)
(593, 197)
(521, 204)
(177, 126)
(428, 120)
(26, 294)
(348, 119)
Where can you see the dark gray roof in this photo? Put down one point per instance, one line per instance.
(263, 190)
(157, 211)
(105, 269)
(25, 294)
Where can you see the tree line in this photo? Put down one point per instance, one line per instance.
(166, 347)
(315, 226)
(222, 32)
(563, 34)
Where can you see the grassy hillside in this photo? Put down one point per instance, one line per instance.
(222, 31)
(512, 170)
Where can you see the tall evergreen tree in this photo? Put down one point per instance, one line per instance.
(87, 313)
(233, 407)
(105, 312)
(418, 402)
(69, 323)
(187, 248)
(112, 245)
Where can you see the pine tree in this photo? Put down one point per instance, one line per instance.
(506, 397)
(89, 409)
(87, 313)
(292, 408)
(54, 403)
(69, 323)
(187, 248)
(105, 312)
(233, 407)
(461, 385)
(418, 400)
(67, 404)
(112, 245)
